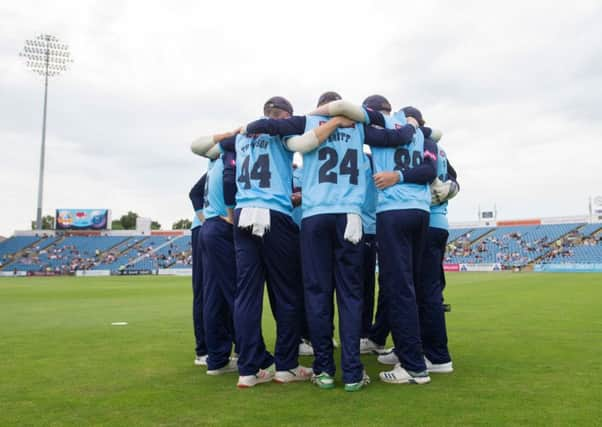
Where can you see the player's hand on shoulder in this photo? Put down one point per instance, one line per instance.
(413, 122)
(236, 131)
(344, 122)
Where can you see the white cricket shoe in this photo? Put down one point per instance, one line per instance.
(439, 368)
(367, 346)
(228, 367)
(388, 358)
(400, 376)
(300, 373)
(262, 376)
(200, 360)
(306, 349)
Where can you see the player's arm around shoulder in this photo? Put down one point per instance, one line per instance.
(378, 136)
(428, 168)
(208, 145)
(347, 109)
(423, 174)
(294, 125)
(313, 138)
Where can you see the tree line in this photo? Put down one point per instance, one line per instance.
(125, 222)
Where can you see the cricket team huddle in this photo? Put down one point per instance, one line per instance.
(371, 183)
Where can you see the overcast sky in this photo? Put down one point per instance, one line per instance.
(516, 88)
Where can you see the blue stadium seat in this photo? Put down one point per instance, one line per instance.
(510, 246)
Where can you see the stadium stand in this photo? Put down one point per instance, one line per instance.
(15, 247)
(512, 246)
(139, 248)
(171, 252)
(66, 255)
(16, 244)
(590, 229)
(121, 254)
(455, 233)
(509, 246)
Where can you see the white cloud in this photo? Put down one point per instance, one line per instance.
(516, 87)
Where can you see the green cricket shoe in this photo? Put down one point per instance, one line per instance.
(359, 385)
(323, 381)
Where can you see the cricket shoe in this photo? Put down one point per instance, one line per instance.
(400, 376)
(367, 346)
(359, 385)
(323, 380)
(439, 368)
(306, 349)
(300, 373)
(227, 368)
(262, 376)
(200, 360)
(388, 358)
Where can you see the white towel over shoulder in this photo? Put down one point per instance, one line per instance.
(257, 218)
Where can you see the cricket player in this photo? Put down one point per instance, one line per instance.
(197, 198)
(369, 255)
(429, 291)
(334, 186)
(267, 251)
(305, 347)
(375, 334)
(217, 248)
(432, 283)
(401, 220)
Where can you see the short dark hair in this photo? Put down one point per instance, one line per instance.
(414, 112)
(277, 102)
(327, 97)
(377, 103)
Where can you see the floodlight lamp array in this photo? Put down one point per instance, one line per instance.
(46, 55)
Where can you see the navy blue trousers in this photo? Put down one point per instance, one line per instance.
(380, 328)
(330, 262)
(401, 235)
(429, 294)
(273, 260)
(303, 328)
(219, 287)
(369, 272)
(197, 294)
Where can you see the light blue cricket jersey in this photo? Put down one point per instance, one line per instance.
(214, 190)
(402, 195)
(264, 173)
(438, 218)
(333, 174)
(297, 213)
(196, 222)
(369, 206)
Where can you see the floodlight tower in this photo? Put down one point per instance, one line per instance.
(48, 57)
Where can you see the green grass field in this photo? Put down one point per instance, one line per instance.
(527, 351)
